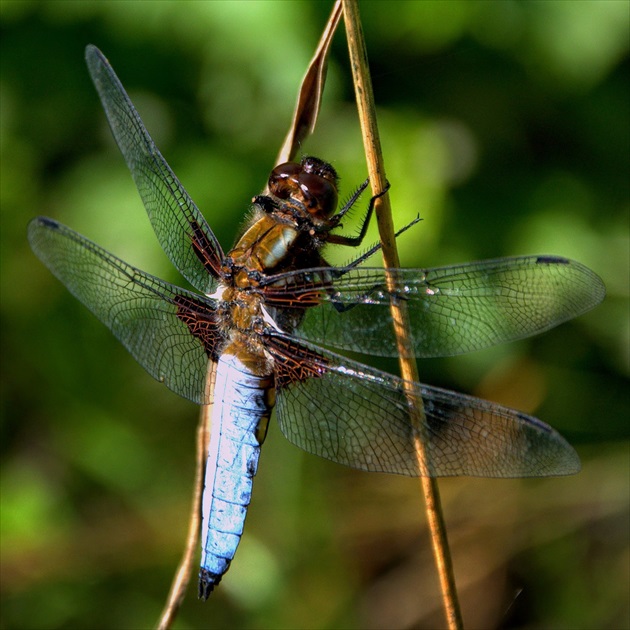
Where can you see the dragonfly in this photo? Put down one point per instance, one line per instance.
(270, 315)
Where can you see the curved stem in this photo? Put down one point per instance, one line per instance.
(187, 563)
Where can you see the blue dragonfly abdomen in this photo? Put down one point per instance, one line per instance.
(240, 415)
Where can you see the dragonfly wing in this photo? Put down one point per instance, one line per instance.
(180, 227)
(358, 416)
(452, 310)
(149, 316)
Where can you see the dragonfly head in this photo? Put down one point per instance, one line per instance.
(312, 184)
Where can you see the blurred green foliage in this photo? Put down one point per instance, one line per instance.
(505, 126)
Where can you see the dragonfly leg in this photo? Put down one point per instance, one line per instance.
(355, 241)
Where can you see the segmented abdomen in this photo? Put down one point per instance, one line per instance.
(242, 406)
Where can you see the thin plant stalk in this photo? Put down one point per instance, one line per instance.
(310, 92)
(408, 368)
(188, 561)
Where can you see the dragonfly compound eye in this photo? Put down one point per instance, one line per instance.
(283, 181)
(319, 194)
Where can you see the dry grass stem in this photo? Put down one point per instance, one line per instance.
(310, 94)
(188, 562)
(376, 171)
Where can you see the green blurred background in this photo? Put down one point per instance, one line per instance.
(505, 126)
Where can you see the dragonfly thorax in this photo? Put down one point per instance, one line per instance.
(264, 246)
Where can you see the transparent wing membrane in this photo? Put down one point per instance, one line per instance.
(358, 416)
(452, 310)
(177, 221)
(141, 310)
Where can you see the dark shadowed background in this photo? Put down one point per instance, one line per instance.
(505, 126)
